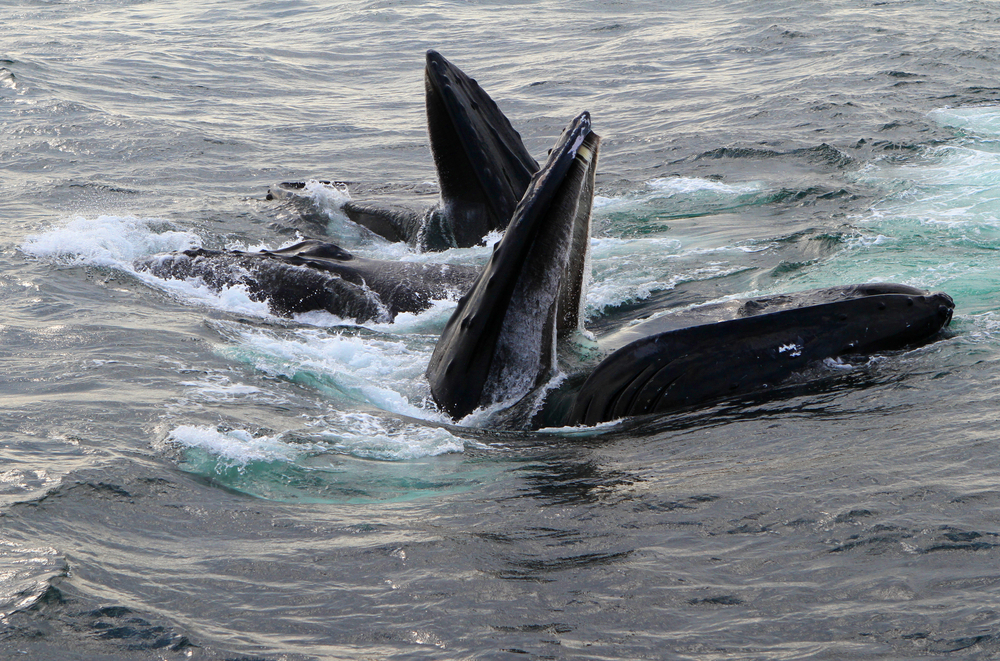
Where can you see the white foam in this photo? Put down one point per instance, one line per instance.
(378, 371)
(632, 269)
(357, 434)
(371, 437)
(431, 320)
(623, 271)
(938, 225)
(681, 190)
(237, 447)
(941, 213)
(868, 240)
(117, 241)
(626, 270)
(689, 185)
(956, 185)
(401, 252)
(327, 201)
(109, 241)
(327, 196)
(980, 120)
(601, 202)
(235, 299)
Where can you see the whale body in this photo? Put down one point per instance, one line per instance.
(315, 275)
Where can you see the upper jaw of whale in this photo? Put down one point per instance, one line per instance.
(500, 342)
(483, 169)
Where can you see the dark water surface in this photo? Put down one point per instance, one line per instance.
(183, 475)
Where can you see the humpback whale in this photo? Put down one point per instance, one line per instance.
(483, 168)
(315, 275)
(499, 346)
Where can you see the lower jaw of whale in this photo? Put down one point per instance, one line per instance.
(704, 363)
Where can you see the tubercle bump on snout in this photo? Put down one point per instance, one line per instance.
(946, 306)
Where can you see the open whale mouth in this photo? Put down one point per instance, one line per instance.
(500, 341)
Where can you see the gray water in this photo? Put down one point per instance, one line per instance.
(185, 476)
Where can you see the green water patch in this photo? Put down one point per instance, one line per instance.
(650, 210)
(333, 478)
(354, 368)
(365, 460)
(937, 225)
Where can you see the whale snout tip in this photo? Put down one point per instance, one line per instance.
(946, 306)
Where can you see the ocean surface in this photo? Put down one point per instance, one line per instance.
(185, 476)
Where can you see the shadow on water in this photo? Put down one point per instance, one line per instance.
(571, 478)
(575, 470)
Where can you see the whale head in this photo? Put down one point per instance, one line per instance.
(500, 342)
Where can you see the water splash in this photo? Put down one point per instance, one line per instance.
(343, 457)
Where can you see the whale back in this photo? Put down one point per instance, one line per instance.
(316, 275)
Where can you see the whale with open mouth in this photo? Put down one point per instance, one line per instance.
(499, 347)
